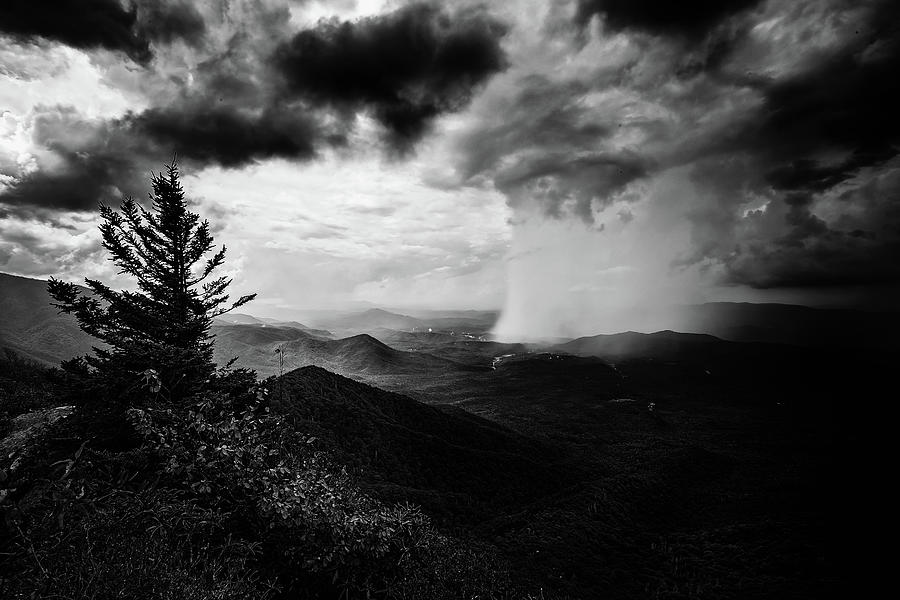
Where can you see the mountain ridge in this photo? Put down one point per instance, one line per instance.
(459, 458)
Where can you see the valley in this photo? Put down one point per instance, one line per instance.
(671, 465)
(633, 465)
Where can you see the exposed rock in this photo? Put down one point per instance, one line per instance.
(27, 431)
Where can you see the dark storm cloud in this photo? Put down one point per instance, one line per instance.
(845, 232)
(80, 185)
(171, 21)
(822, 132)
(108, 24)
(859, 247)
(246, 103)
(813, 253)
(103, 160)
(689, 18)
(77, 23)
(406, 67)
(538, 114)
(225, 136)
(845, 107)
(763, 128)
(570, 184)
(93, 162)
(554, 138)
(817, 132)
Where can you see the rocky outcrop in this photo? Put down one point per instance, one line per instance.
(26, 434)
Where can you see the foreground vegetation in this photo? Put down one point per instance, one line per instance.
(221, 500)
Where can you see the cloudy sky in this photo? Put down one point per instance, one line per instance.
(565, 161)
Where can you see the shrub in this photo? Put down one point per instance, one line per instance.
(152, 544)
(318, 531)
(316, 520)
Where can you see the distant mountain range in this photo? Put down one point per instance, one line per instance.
(31, 327)
(374, 318)
(796, 325)
(254, 346)
(242, 319)
(662, 344)
(346, 342)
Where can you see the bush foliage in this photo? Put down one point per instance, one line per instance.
(225, 501)
(321, 532)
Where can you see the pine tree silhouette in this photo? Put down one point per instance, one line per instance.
(157, 338)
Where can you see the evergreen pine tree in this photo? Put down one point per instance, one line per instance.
(157, 336)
